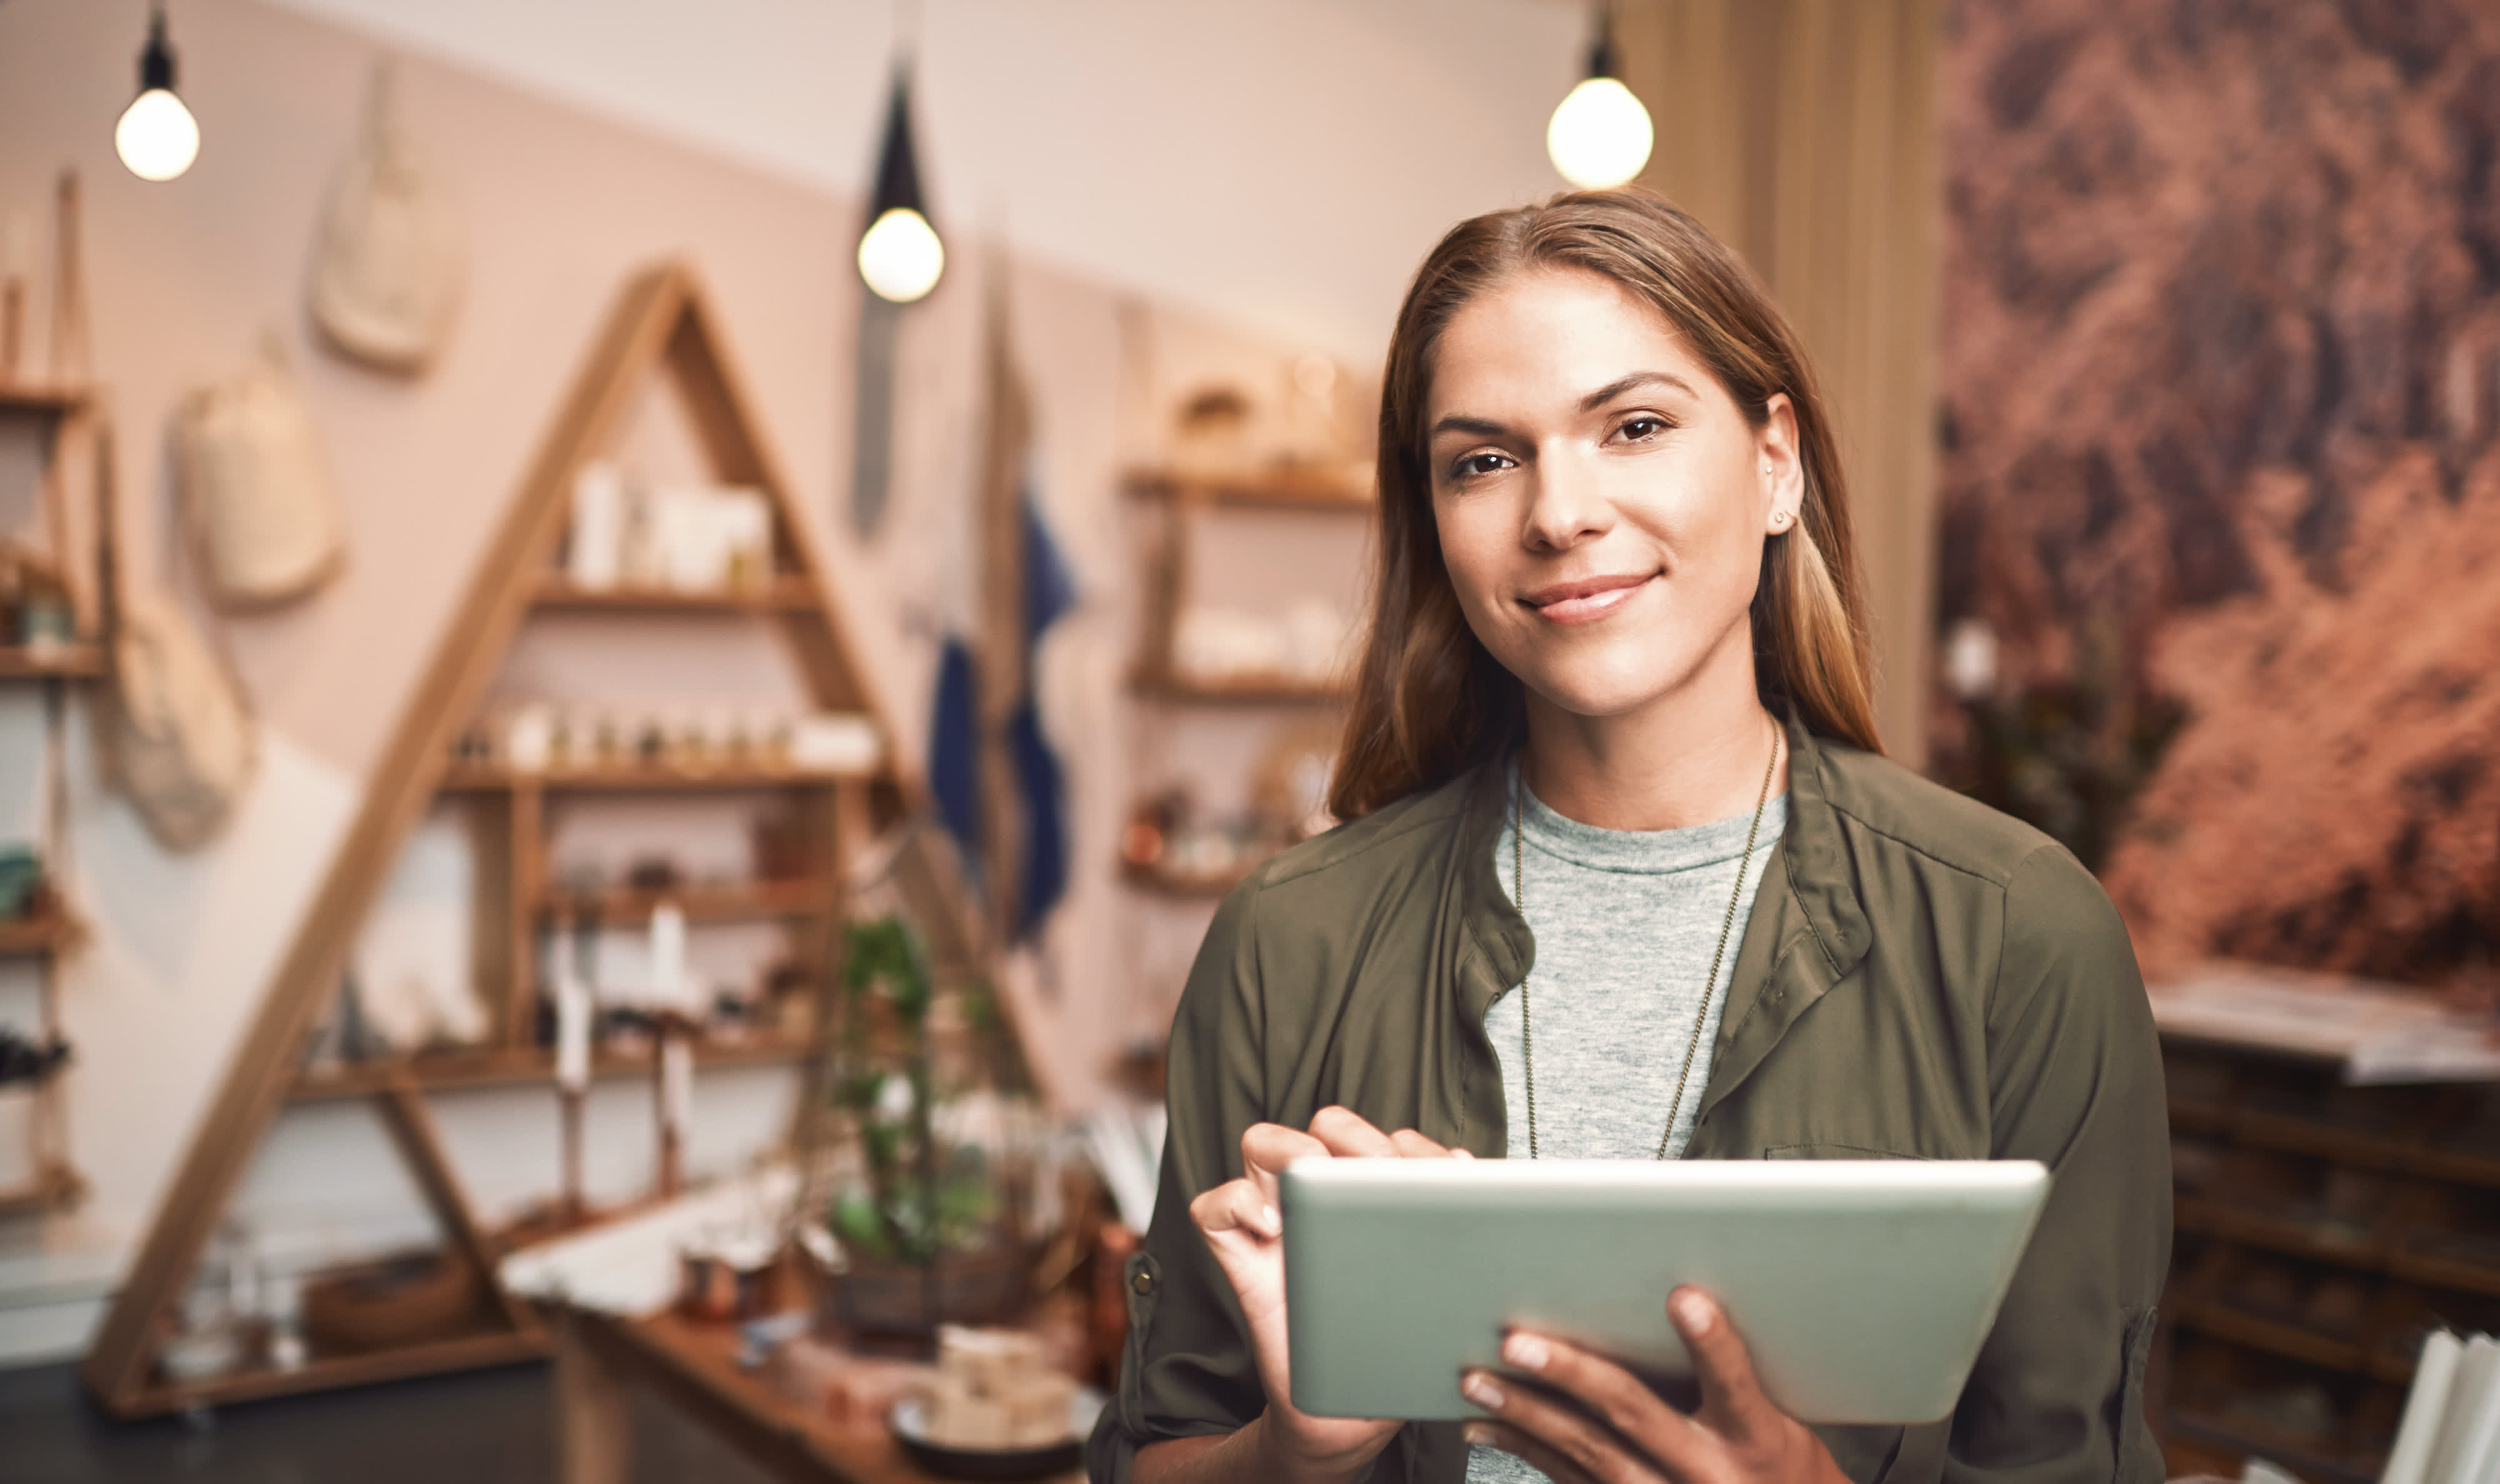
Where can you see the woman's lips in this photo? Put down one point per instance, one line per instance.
(1584, 601)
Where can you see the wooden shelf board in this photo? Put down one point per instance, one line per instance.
(466, 778)
(785, 594)
(2457, 1165)
(2208, 1316)
(36, 397)
(504, 1067)
(57, 662)
(1284, 489)
(2352, 1146)
(717, 903)
(2444, 1272)
(45, 933)
(1146, 878)
(51, 1189)
(2311, 1457)
(1244, 690)
(501, 1347)
(2235, 1223)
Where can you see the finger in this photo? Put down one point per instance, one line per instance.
(1527, 1450)
(1410, 1145)
(1622, 1399)
(1237, 1205)
(1733, 1403)
(1349, 1135)
(1569, 1434)
(1266, 1148)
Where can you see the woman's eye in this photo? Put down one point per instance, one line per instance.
(1477, 463)
(1636, 429)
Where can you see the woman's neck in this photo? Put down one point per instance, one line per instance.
(1689, 758)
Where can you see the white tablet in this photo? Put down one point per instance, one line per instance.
(1861, 1287)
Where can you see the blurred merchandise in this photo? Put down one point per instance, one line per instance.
(23, 889)
(30, 1063)
(694, 539)
(690, 737)
(1311, 643)
(219, 1325)
(728, 1275)
(406, 1298)
(994, 1390)
(35, 599)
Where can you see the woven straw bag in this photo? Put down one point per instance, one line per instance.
(178, 738)
(385, 282)
(258, 493)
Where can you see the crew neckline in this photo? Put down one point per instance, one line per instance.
(1645, 852)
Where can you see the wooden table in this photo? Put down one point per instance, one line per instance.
(600, 1360)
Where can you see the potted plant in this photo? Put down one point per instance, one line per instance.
(922, 1223)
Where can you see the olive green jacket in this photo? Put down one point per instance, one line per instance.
(1921, 978)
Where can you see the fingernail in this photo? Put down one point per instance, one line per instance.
(1479, 1389)
(1695, 1311)
(1477, 1435)
(1462, 1153)
(1269, 1218)
(1524, 1352)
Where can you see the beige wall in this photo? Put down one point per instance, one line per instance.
(560, 206)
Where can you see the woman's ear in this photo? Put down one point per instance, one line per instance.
(1782, 467)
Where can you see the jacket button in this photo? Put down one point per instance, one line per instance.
(1143, 1282)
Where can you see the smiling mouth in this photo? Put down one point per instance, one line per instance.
(1591, 599)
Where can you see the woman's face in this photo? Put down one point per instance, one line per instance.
(1601, 499)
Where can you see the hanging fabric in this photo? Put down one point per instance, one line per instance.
(997, 778)
(257, 494)
(386, 283)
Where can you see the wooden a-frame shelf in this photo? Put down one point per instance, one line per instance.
(662, 324)
(323, 1372)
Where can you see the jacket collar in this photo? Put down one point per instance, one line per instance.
(1808, 928)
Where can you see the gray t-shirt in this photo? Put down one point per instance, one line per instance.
(1626, 922)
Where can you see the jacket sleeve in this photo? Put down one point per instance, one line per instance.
(2074, 1082)
(1187, 1369)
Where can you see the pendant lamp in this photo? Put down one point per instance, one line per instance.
(1600, 134)
(900, 255)
(157, 137)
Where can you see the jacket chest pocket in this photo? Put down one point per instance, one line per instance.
(1829, 1150)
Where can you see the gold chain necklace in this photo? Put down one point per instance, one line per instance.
(1709, 986)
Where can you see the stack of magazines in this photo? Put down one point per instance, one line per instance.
(2451, 1432)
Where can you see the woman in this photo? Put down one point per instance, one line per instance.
(1617, 677)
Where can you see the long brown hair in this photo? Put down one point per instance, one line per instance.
(1430, 700)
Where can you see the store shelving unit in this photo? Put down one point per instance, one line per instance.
(74, 427)
(662, 324)
(1179, 501)
(2322, 1230)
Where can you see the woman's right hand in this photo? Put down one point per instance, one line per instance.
(1243, 1226)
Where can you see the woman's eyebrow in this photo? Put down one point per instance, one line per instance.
(1474, 427)
(1622, 384)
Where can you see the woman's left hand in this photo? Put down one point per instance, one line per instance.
(1736, 1436)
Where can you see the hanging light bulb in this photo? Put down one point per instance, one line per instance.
(1600, 134)
(900, 255)
(157, 137)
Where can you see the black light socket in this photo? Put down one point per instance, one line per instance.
(897, 168)
(1601, 51)
(156, 58)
